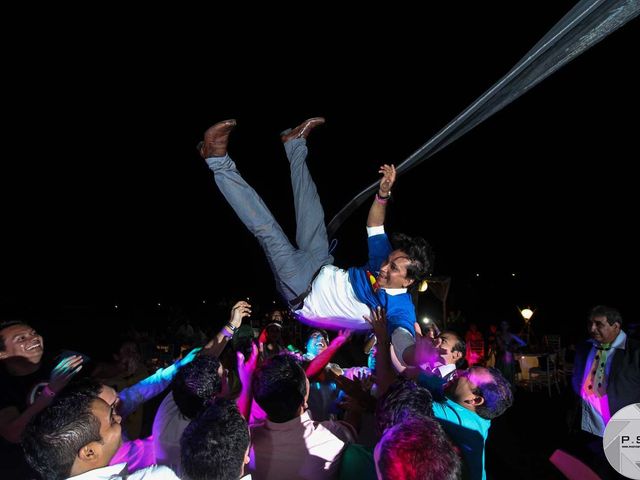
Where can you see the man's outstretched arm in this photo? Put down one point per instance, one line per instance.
(378, 208)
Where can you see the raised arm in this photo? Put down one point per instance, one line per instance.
(321, 361)
(216, 345)
(378, 208)
(13, 423)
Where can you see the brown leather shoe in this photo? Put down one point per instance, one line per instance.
(216, 139)
(302, 130)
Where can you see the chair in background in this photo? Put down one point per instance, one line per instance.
(551, 343)
(565, 368)
(546, 374)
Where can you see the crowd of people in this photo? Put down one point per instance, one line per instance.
(245, 404)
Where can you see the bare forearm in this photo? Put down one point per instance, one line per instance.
(321, 361)
(13, 429)
(385, 375)
(216, 344)
(244, 401)
(377, 213)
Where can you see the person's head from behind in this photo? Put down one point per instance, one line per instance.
(482, 390)
(196, 384)
(410, 263)
(281, 388)
(128, 356)
(75, 434)
(19, 340)
(91, 387)
(404, 399)
(604, 324)
(215, 445)
(451, 348)
(416, 449)
(317, 342)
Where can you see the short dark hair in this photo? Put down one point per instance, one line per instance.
(214, 444)
(54, 437)
(6, 324)
(612, 315)
(279, 387)
(420, 255)
(195, 384)
(497, 396)
(460, 346)
(418, 449)
(84, 385)
(404, 399)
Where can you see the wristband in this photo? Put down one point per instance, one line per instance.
(382, 200)
(228, 331)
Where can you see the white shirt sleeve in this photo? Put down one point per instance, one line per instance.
(371, 231)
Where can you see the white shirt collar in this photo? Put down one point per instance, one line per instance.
(395, 291)
(620, 342)
(446, 369)
(103, 473)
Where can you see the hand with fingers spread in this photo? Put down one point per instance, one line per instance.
(343, 336)
(378, 320)
(64, 371)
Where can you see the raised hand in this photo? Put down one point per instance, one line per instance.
(388, 179)
(239, 311)
(344, 335)
(188, 357)
(64, 371)
(246, 369)
(378, 320)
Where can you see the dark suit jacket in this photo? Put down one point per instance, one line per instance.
(623, 387)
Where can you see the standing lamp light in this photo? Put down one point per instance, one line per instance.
(527, 313)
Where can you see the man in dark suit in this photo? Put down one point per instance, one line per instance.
(606, 378)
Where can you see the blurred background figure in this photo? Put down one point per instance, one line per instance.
(507, 344)
(475, 345)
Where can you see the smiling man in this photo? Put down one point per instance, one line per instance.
(22, 375)
(319, 293)
(606, 378)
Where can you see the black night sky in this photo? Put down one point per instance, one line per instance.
(106, 200)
